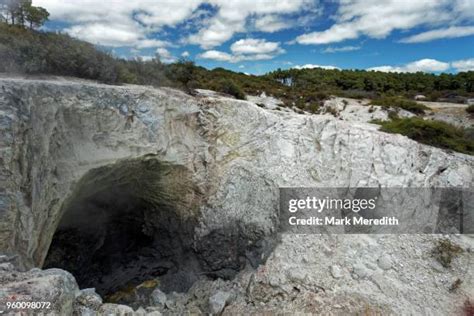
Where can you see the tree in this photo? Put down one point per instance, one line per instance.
(9, 10)
(36, 16)
(20, 12)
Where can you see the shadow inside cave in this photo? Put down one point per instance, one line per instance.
(127, 223)
(135, 220)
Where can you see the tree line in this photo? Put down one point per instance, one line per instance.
(375, 81)
(22, 13)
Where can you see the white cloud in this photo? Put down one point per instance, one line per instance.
(232, 15)
(165, 55)
(185, 54)
(241, 66)
(464, 65)
(340, 49)
(124, 22)
(216, 55)
(312, 66)
(121, 22)
(104, 34)
(150, 43)
(423, 65)
(336, 33)
(145, 57)
(255, 46)
(450, 32)
(271, 23)
(223, 56)
(377, 19)
(246, 49)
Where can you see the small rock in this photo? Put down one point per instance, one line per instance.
(218, 301)
(336, 272)
(158, 297)
(360, 270)
(89, 298)
(385, 262)
(143, 108)
(140, 312)
(7, 266)
(115, 309)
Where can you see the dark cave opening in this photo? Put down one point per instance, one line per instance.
(126, 224)
(134, 221)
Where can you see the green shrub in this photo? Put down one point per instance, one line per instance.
(445, 251)
(398, 102)
(313, 108)
(434, 133)
(228, 86)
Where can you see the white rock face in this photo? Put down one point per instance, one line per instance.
(53, 132)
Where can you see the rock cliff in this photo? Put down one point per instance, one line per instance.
(201, 174)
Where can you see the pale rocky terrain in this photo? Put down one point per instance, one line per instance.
(61, 141)
(451, 113)
(358, 110)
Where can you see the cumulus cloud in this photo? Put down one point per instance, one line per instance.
(165, 55)
(185, 54)
(312, 66)
(124, 22)
(340, 49)
(232, 17)
(106, 34)
(145, 57)
(271, 23)
(216, 55)
(464, 65)
(150, 43)
(246, 49)
(255, 46)
(121, 22)
(423, 65)
(450, 32)
(378, 19)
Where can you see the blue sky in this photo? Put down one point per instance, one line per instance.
(257, 36)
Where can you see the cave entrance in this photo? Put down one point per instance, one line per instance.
(127, 223)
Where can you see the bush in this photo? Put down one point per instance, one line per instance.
(313, 108)
(445, 251)
(32, 52)
(228, 86)
(434, 133)
(398, 102)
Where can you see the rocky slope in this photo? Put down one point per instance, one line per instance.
(63, 142)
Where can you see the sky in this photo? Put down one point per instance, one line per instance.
(258, 36)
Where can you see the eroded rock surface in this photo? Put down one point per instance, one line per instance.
(53, 134)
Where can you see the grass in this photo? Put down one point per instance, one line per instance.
(445, 251)
(401, 103)
(433, 133)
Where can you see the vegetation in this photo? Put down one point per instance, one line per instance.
(434, 133)
(23, 13)
(445, 251)
(368, 84)
(401, 103)
(228, 86)
(28, 51)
